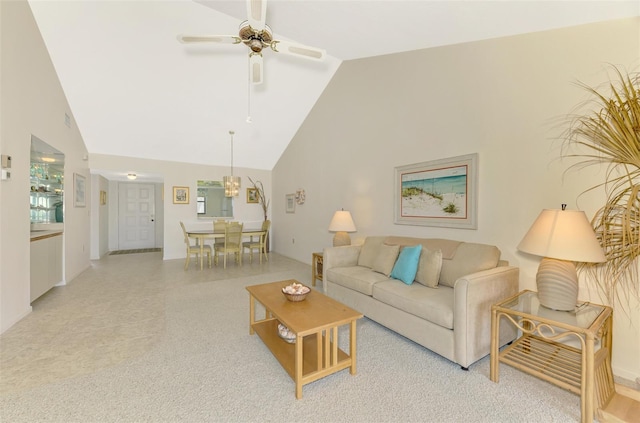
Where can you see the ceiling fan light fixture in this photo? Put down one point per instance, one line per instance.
(255, 45)
(255, 39)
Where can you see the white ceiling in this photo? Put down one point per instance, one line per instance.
(134, 90)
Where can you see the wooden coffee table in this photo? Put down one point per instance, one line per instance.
(315, 321)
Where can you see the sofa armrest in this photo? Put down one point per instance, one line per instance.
(474, 295)
(339, 257)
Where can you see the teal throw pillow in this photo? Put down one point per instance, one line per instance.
(407, 264)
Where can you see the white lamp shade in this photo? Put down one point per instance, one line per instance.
(342, 222)
(565, 235)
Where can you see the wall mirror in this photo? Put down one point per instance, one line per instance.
(211, 202)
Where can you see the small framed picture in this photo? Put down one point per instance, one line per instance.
(291, 203)
(79, 186)
(252, 195)
(180, 195)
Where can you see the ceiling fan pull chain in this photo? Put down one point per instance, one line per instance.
(249, 94)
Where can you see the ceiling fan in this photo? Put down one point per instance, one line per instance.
(256, 34)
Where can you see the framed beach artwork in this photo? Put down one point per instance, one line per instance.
(438, 193)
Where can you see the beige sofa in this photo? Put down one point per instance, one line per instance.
(447, 309)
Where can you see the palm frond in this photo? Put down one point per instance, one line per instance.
(262, 199)
(610, 134)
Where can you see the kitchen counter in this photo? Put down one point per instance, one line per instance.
(40, 234)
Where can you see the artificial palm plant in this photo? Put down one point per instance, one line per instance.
(264, 202)
(262, 199)
(609, 133)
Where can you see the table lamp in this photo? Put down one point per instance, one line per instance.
(341, 224)
(562, 237)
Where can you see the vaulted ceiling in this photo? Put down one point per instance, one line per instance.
(134, 90)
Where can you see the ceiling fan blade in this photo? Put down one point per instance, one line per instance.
(255, 68)
(287, 47)
(224, 39)
(257, 13)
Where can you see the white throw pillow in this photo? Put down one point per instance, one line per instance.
(386, 258)
(429, 268)
(369, 251)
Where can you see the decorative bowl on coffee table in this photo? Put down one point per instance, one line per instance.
(296, 292)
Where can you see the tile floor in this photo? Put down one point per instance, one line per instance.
(113, 311)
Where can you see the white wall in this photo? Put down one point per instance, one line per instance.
(33, 103)
(181, 174)
(499, 98)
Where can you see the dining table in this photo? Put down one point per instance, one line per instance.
(201, 235)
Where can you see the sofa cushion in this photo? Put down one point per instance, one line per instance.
(386, 258)
(369, 251)
(447, 246)
(407, 264)
(469, 258)
(434, 305)
(429, 268)
(358, 278)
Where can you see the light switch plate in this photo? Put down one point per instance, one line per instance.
(6, 162)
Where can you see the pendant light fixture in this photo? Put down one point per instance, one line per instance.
(231, 183)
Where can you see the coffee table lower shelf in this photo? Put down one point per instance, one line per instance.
(320, 356)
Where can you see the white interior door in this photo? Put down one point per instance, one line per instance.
(136, 216)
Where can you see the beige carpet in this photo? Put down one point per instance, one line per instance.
(137, 339)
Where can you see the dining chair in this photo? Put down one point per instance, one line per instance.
(259, 244)
(194, 249)
(218, 227)
(232, 243)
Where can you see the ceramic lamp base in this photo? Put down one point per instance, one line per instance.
(557, 282)
(341, 238)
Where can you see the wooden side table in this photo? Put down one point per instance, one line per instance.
(543, 349)
(316, 268)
